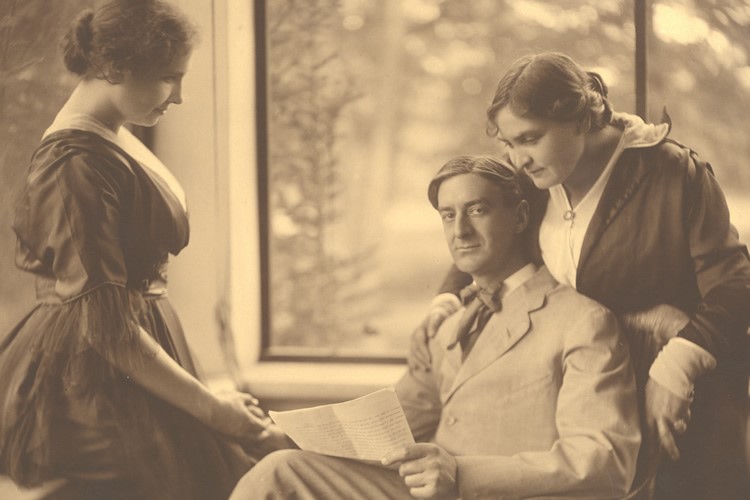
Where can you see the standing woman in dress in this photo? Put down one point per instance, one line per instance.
(98, 386)
(637, 221)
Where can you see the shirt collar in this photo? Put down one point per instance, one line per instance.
(517, 279)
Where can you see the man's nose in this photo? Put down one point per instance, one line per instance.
(462, 226)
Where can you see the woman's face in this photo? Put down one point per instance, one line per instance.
(142, 100)
(549, 151)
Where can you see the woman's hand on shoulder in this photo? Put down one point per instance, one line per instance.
(419, 357)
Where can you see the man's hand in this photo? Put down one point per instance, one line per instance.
(427, 470)
(667, 416)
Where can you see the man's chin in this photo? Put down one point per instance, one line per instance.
(465, 267)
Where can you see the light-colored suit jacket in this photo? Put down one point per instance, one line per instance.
(543, 406)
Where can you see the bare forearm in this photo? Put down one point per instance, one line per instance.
(162, 376)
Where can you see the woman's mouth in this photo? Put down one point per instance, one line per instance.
(535, 171)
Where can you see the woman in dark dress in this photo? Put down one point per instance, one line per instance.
(98, 386)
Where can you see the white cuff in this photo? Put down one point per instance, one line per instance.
(679, 364)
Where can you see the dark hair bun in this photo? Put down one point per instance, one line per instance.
(597, 83)
(77, 43)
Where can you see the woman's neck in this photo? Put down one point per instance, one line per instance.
(600, 146)
(91, 97)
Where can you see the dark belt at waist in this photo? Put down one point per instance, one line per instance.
(46, 291)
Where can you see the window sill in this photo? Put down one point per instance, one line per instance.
(302, 384)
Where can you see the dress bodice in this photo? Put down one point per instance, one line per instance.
(92, 215)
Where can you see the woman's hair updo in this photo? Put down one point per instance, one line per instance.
(140, 36)
(551, 86)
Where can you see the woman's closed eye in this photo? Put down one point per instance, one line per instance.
(169, 79)
(528, 140)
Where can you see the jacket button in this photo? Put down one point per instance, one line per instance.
(451, 420)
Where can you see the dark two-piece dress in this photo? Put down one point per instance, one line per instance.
(95, 227)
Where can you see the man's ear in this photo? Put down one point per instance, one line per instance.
(522, 216)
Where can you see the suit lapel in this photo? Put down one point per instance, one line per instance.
(502, 332)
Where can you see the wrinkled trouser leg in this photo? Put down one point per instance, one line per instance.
(301, 475)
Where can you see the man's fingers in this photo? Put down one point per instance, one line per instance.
(394, 457)
(407, 455)
(420, 486)
(426, 491)
(666, 439)
(414, 480)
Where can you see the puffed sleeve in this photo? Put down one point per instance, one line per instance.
(721, 264)
(69, 225)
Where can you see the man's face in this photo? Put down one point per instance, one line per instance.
(481, 231)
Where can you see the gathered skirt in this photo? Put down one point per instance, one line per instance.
(65, 412)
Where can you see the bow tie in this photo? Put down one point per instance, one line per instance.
(490, 296)
(481, 304)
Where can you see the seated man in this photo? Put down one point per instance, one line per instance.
(530, 391)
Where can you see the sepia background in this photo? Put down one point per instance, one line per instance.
(308, 136)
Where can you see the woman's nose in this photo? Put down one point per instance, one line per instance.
(519, 158)
(176, 95)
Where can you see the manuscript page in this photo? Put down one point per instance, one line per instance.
(365, 428)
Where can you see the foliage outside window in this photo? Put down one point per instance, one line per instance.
(33, 86)
(365, 100)
(699, 62)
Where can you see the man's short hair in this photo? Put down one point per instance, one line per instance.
(514, 185)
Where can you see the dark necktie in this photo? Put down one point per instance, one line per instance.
(480, 305)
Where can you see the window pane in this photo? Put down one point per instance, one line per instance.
(366, 99)
(699, 59)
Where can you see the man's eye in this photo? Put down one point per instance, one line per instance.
(448, 217)
(476, 211)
